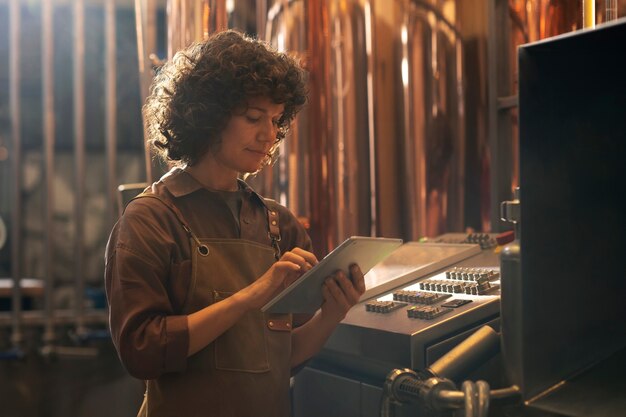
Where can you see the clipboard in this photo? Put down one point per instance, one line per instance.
(305, 294)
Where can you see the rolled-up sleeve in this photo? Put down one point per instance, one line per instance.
(151, 337)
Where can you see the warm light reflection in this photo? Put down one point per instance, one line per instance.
(230, 6)
(368, 29)
(405, 72)
(589, 13)
(280, 41)
(404, 36)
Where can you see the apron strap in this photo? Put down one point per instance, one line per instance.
(272, 221)
(202, 249)
(273, 228)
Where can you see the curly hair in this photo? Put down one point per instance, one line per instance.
(195, 94)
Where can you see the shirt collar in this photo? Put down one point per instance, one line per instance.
(249, 191)
(181, 183)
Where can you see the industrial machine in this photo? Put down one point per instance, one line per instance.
(563, 339)
(422, 301)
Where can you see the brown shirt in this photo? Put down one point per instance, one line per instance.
(148, 265)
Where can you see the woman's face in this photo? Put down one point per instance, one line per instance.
(249, 136)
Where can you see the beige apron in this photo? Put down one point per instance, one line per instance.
(244, 372)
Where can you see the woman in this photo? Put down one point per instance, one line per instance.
(195, 257)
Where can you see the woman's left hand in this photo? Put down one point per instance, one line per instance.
(341, 293)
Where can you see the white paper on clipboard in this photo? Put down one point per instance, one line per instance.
(305, 295)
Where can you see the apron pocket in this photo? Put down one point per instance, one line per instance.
(243, 347)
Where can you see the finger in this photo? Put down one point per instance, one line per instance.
(290, 256)
(285, 273)
(337, 294)
(326, 293)
(308, 256)
(290, 278)
(285, 267)
(358, 279)
(351, 294)
(305, 259)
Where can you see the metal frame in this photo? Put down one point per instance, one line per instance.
(501, 101)
(50, 317)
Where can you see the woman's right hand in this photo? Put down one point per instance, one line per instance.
(291, 265)
(209, 323)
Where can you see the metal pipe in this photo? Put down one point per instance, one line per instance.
(47, 43)
(145, 23)
(472, 352)
(412, 167)
(322, 193)
(173, 34)
(110, 109)
(191, 21)
(499, 135)
(218, 17)
(610, 10)
(509, 395)
(30, 318)
(173, 27)
(589, 14)
(184, 30)
(261, 18)
(433, 141)
(16, 133)
(342, 140)
(79, 157)
(371, 115)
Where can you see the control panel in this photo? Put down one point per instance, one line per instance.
(436, 296)
(420, 302)
(485, 240)
(420, 295)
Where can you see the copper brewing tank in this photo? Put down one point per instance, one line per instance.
(382, 146)
(430, 53)
(324, 174)
(406, 177)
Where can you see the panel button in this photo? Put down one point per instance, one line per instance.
(456, 303)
